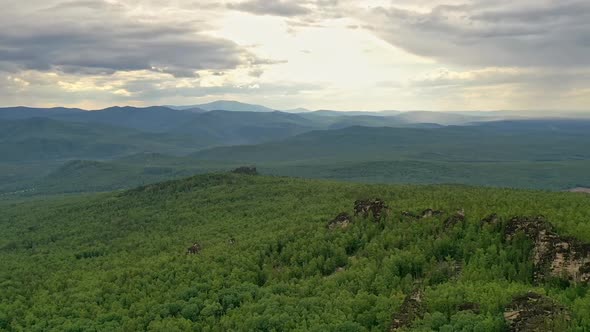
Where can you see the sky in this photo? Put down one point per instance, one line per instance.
(318, 54)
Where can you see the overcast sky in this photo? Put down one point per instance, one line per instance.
(332, 54)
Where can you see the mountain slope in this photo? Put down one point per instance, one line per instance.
(21, 113)
(213, 128)
(79, 176)
(233, 128)
(226, 105)
(153, 119)
(507, 141)
(441, 118)
(46, 139)
(268, 259)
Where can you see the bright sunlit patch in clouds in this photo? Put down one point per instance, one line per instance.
(375, 54)
(339, 53)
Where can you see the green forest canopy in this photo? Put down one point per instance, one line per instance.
(268, 262)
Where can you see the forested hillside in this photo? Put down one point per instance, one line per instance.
(42, 139)
(276, 254)
(490, 142)
(60, 150)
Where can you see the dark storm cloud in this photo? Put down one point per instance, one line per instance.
(502, 33)
(271, 7)
(92, 36)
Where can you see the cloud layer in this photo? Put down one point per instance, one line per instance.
(374, 54)
(498, 33)
(93, 36)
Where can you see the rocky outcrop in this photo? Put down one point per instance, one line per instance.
(429, 213)
(553, 255)
(530, 226)
(343, 220)
(492, 219)
(411, 309)
(534, 312)
(375, 207)
(194, 249)
(246, 170)
(456, 218)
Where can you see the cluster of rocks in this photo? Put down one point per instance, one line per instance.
(341, 221)
(375, 207)
(534, 312)
(554, 256)
(194, 249)
(525, 313)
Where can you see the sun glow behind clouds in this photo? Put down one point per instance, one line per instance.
(376, 54)
(339, 54)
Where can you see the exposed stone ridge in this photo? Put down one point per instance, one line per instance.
(534, 312)
(553, 255)
(375, 207)
(411, 309)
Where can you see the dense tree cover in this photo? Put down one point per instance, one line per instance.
(549, 175)
(94, 176)
(117, 261)
(489, 142)
(38, 152)
(41, 139)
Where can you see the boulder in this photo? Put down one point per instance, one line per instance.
(342, 220)
(194, 249)
(375, 207)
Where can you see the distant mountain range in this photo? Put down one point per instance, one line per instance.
(229, 105)
(225, 105)
(504, 141)
(46, 143)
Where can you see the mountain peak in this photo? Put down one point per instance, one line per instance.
(226, 105)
